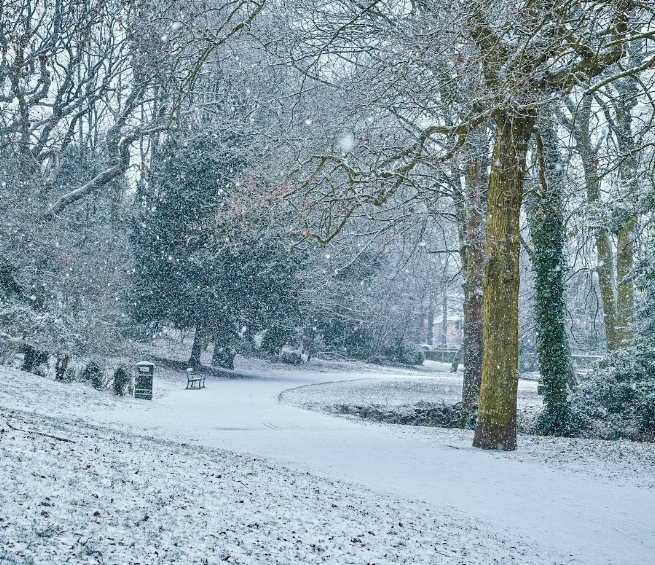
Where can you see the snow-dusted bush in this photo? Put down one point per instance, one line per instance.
(290, 357)
(401, 353)
(70, 375)
(34, 331)
(93, 375)
(618, 399)
(121, 380)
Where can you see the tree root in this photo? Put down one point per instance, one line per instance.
(40, 434)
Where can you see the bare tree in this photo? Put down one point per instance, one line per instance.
(515, 58)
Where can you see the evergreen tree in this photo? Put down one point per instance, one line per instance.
(191, 272)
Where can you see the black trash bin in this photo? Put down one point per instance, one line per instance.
(143, 386)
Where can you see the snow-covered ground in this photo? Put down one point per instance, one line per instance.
(559, 500)
(107, 496)
(392, 393)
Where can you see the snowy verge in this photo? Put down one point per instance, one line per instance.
(400, 395)
(112, 497)
(180, 351)
(433, 401)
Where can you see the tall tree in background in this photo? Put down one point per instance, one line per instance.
(579, 123)
(470, 205)
(625, 101)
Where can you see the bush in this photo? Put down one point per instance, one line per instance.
(122, 381)
(92, 374)
(345, 338)
(618, 400)
(223, 357)
(291, 358)
(422, 414)
(70, 375)
(33, 358)
(412, 355)
(274, 339)
(561, 421)
(405, 353)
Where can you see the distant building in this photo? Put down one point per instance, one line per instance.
(454, 334)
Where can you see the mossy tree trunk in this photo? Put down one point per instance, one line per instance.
(496, 425)
(548, 235)
(472, 249)
(625, 299)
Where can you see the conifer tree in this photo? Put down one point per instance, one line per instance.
(194, 274)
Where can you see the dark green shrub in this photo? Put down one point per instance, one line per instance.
(347, 338)
(291, 358)
(405, 353)
(93, 375)
(121, 381)
(412, 355)
(562, 421)
(275, 339)
(33, 358)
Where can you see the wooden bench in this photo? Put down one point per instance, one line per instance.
(193, 380)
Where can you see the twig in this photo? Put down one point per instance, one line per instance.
(41, 434)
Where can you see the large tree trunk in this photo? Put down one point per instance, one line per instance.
(473, 348)
(496, 425)
(196, 349)
(473, 270)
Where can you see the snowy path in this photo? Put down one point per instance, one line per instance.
(572, 508)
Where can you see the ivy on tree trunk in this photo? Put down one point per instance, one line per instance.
(548, 234)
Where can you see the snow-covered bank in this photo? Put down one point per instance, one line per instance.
(433, 401)
(590, 500)
(112, 497)
(394, 394)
